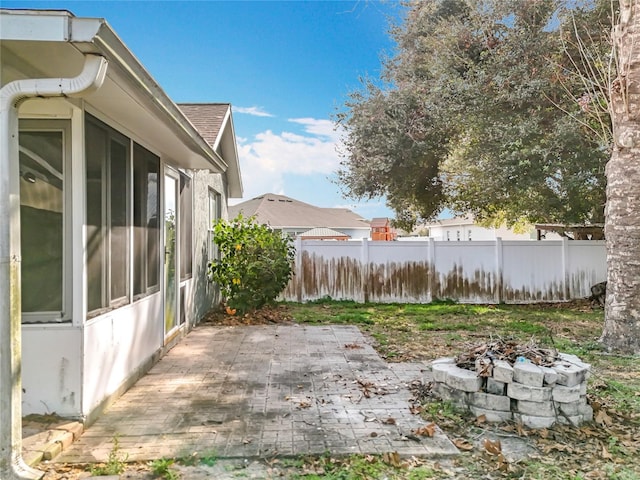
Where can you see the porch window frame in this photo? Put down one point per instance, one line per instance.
(63, 126)
(109, 303)
(148, 287)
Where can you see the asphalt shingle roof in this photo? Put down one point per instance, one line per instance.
(207, 118)
(280, 211)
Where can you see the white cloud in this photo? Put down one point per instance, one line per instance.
(322, 128)
(255, 111)
(267, 157)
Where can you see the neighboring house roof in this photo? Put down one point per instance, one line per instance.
(379, 222)
(281, 212)
(129, 94)
(215, 124)
(319, 233)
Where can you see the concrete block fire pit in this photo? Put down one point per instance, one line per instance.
(537, 392)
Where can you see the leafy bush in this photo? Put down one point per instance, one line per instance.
(253, 264)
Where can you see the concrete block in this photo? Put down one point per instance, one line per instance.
(574, 420)
(539, 409)
(528, 373)
(439, 371)
(66, 440)
(491, 415)
(533, 421)
(32, 458)
(587, 413)
(495, 388)
(569, 374)
(502, 371)
(562, 394)
(573, 359)
(463, 379)
(583, 389)
(528, 393)
(490, 402)
(570, 409)
(446, 393)
(76, 428)
(52, 450)
(550, 376)
(444, 360)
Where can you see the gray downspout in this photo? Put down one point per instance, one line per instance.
(12, 465)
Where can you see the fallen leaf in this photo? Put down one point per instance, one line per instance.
(352, 346)
(602, 418)
(389, 421)
(426, 430)
(492, 447)
(463, 444)
(416, 409)
(392, 458)
(481, 419)
(605, 453)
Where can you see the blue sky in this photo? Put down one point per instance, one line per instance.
(284, 66)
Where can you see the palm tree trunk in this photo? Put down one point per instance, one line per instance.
(621, 331)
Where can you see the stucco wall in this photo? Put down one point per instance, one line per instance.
(205, 294)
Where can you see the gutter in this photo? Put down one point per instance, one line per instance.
(91, 78)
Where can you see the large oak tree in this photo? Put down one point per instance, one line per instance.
(484, 109)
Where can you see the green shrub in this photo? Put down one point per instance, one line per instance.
(254, 263)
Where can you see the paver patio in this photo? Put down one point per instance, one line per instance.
(262, 391)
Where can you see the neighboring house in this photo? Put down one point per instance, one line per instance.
(113, 189)
(323, 234)
(381, 230)
(462, 229)
(294, 217)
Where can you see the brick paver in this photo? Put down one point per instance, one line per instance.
(262, 391)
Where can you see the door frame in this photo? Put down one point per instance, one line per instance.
(170, 174)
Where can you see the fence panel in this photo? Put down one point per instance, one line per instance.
(465, 271)
(533, 271)
(468, 272)
(586, 266)
(398, 274)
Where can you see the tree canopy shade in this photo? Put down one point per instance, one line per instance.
(496, 108)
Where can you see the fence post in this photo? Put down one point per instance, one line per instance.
(298, 271)
(565, 269)
(431, 271)
(364, 270)
(499, 271)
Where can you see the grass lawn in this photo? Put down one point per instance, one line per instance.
(608, 448)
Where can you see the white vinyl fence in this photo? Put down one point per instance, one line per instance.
(497, 271)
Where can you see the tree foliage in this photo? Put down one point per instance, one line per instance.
(489, 107)
(254, 264)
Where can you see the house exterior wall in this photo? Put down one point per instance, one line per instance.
(74, 369)
(52, 369)
(466, 232)
(205, 295)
